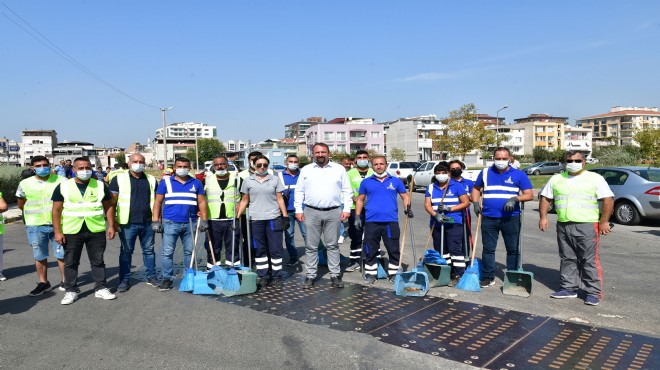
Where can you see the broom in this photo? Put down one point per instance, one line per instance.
(470, 279)
(220, 275)
(232, 283)
(398, 282)
(188, 281)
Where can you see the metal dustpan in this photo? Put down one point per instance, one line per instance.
(414, 283)
(519, 283)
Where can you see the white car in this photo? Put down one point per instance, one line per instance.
(424, 174)
(591, 160)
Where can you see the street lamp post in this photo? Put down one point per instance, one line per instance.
(164, 138)
(497, 125)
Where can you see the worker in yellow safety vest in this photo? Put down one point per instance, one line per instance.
(81, 206)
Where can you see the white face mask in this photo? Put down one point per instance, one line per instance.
(182, 172)
(442, 177)
(292, 166)
(363, 163)
(220, 172)
(263, 172)
(502, 164)
(380, 175)
(137, 167)
(573, 167)
(84, 175)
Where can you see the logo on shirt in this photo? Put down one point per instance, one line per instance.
(467, 188)
(390, 187)
(192, 189)
(449, 193)
(508, 181)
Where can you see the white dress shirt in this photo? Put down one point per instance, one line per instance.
(322, 187)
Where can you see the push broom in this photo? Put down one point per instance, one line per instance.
(470, 279)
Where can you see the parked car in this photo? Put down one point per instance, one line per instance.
(636, 192)
(591, 160)
(424, 174)
(278, 167)
(402, 169)
(544, 168)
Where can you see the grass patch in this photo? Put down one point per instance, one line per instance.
(539, 181)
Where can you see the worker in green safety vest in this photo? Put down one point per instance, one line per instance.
(33, 195)
(3, 208)
(81, 206)
(355, 177)
(222, 195)
(580, 223)
(133, 194)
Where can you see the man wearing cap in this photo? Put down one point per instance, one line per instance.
(133, 194)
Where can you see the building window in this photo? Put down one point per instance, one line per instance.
(341, 136)
(327, 136)
(341, 148)
(375, 147)
(375, 134)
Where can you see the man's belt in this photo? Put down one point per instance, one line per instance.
(321, 209)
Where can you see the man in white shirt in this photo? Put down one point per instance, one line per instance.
(323, 188)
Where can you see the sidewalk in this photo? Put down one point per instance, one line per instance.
(13, 214)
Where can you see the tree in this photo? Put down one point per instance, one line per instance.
(336, 156)
(463, 134)
(120, 158)
(649, 143)
(208, 148)
(614, 155)
(397, 155)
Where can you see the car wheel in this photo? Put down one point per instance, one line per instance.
(626, 213)
(536, 172)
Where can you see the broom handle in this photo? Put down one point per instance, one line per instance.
(476, 236)
(411, 186)
(433, 226)
(208, 235)
(192, 259)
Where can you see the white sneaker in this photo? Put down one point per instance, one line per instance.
(341, 240)
(105, 294)
(69, 297)
(61, 288)
(3, 277)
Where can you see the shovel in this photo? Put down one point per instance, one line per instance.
(519, 282)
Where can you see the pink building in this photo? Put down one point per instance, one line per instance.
(346, 137)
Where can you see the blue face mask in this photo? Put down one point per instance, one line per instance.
(42, 171)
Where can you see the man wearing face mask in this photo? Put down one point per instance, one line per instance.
(382, 220)
(180, 197)
(222, 195)
(355, 177)
(34, 194)
(289, 178)
(80, 208)
(133, 194)
(504, 188)
(576, 193)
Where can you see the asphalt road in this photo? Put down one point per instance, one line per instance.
(150, 329)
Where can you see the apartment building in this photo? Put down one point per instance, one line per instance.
(413, 136)
(346, 138)
(180, 137)
(539, 131)
(618, 126)
(296, 130)
(10, 152)
(37, 142)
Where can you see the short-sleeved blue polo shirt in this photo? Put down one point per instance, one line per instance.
(499, 188)
(381, 203)
(454, 191)
(180, 201)
(289, 181)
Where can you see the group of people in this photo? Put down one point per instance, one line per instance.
(254, 213)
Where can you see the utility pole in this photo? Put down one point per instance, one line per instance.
(164, 138)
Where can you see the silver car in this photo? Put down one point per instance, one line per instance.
(544, 168)
(636, 192)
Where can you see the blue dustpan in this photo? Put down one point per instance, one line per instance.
(201, 284)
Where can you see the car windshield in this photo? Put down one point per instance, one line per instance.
(412, 165)
(648, 174)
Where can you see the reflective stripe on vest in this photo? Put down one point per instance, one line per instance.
(497, 191)
(577, 201)
(38, 207)
(124, 196)
(78, 209)
(355, 179)
(172, 198)
(215, 196)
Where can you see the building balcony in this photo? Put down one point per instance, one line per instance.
(424, 143)
(358, 138)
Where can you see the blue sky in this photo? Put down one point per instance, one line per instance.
(249, 68)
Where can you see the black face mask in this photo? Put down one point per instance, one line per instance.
(456, 172)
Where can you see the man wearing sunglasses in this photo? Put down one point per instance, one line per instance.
(576, 193)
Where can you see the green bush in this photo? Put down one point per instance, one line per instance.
(626, 155)
(9, 179)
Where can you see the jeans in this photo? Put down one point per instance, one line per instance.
(172, 231)
(128, 235)
(95, 243)
(490, 229)
(38, 236)
(288, 235)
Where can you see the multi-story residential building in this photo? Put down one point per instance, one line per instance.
(235, 145)
(180, 137)
(73, 149)
(296, 130)
(510, 136)
(618, 126)
(413, 136)
(10, 152)
(540, 131)
(577, 138)
(37, 142)
(346, 138)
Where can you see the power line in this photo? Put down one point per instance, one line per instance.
(64, 55)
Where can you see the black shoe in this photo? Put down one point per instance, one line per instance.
(293, 262)
(370, 279)
(123, 286)
(352, 266)
(278, 283)
(263, 282)
(309, 283)
(40, 289)
(336, 282)
(153, 281)
(454, 280)
(165, 285)
(485, 283)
